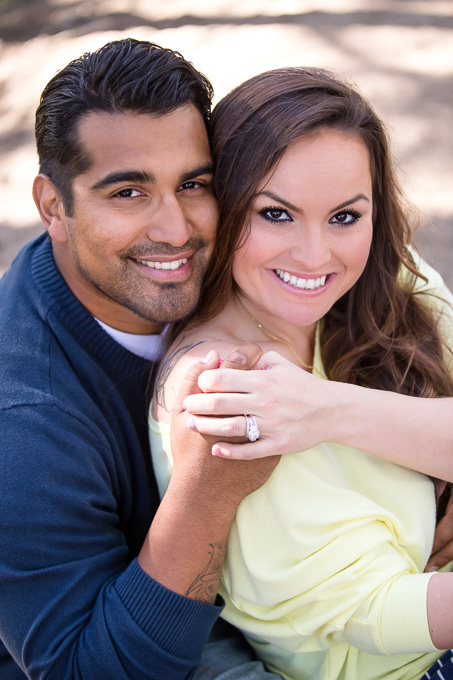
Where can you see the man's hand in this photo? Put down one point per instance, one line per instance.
(229, 482)
(443, 540)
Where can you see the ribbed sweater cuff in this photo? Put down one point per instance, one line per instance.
(175, 623)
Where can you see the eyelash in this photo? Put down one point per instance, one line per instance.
(191, 185)
(350, 211)
(126, 198)
(265, 213)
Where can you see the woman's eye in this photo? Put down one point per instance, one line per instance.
(275, 215)
(128, 193)
(346, 217)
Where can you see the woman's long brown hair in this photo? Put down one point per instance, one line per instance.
(381, 333)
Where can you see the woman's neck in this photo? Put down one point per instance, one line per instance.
(299, 341)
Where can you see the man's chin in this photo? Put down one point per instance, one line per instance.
(168, 313)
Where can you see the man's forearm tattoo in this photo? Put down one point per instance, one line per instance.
(166, 368)
(204, 587)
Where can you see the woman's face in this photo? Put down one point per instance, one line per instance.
(310, 231)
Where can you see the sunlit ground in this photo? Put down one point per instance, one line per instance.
(399, 52)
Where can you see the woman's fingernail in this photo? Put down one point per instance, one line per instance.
(217, 451)
(210, 355)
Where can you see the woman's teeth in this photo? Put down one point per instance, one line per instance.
(305, 284)
(175, 264)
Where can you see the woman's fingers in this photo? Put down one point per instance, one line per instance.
(290, 407)
(262, 448)
(218, 404)
(219, 427)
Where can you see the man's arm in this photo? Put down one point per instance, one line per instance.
(72, 605)
(197, 510)
(442, 552)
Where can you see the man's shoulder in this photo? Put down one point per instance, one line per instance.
(54, 354)
(43, 360)
(21, 263)
(20, 292)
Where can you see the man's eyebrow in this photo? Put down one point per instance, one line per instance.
(135, 176)
(206, 169)
(289, 205)
(142, 177)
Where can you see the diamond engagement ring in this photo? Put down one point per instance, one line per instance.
(252, 430)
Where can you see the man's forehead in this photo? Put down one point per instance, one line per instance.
(129, 146)
(93, 121)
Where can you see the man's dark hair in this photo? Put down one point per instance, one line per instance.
(123, 75)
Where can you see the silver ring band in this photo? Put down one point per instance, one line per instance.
(252, 430)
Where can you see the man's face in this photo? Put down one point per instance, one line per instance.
(141, 233)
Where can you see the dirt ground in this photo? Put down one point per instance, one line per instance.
(399, 52)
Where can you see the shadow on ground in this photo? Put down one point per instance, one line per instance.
(22, 20)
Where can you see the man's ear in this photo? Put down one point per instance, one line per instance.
(50, 208)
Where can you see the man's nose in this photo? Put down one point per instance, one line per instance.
(170, 223)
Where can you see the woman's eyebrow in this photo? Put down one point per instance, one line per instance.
(278, 199)
(291, 206)
(359, 197)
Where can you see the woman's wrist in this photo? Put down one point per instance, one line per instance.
(354, 413)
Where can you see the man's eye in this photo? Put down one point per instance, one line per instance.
(128, 193)
(275, 215)
(193, 184)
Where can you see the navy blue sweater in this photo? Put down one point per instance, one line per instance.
(77, 495)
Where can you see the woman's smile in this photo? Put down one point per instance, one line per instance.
(306, 282)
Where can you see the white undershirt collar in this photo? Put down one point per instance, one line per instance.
(148, 347)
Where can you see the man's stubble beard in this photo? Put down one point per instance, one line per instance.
(165, 303)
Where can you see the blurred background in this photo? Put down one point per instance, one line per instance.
(399, 53)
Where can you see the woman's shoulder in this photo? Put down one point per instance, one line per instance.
(430, 282)
(436, 297)
(188, 348)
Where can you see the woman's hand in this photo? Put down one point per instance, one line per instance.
(293, 409)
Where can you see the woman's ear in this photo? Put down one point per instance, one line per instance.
(50, 208)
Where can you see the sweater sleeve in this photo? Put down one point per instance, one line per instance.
(389, 621)
(72, 604)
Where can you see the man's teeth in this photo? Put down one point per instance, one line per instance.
(305, 284)
(175, 264)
